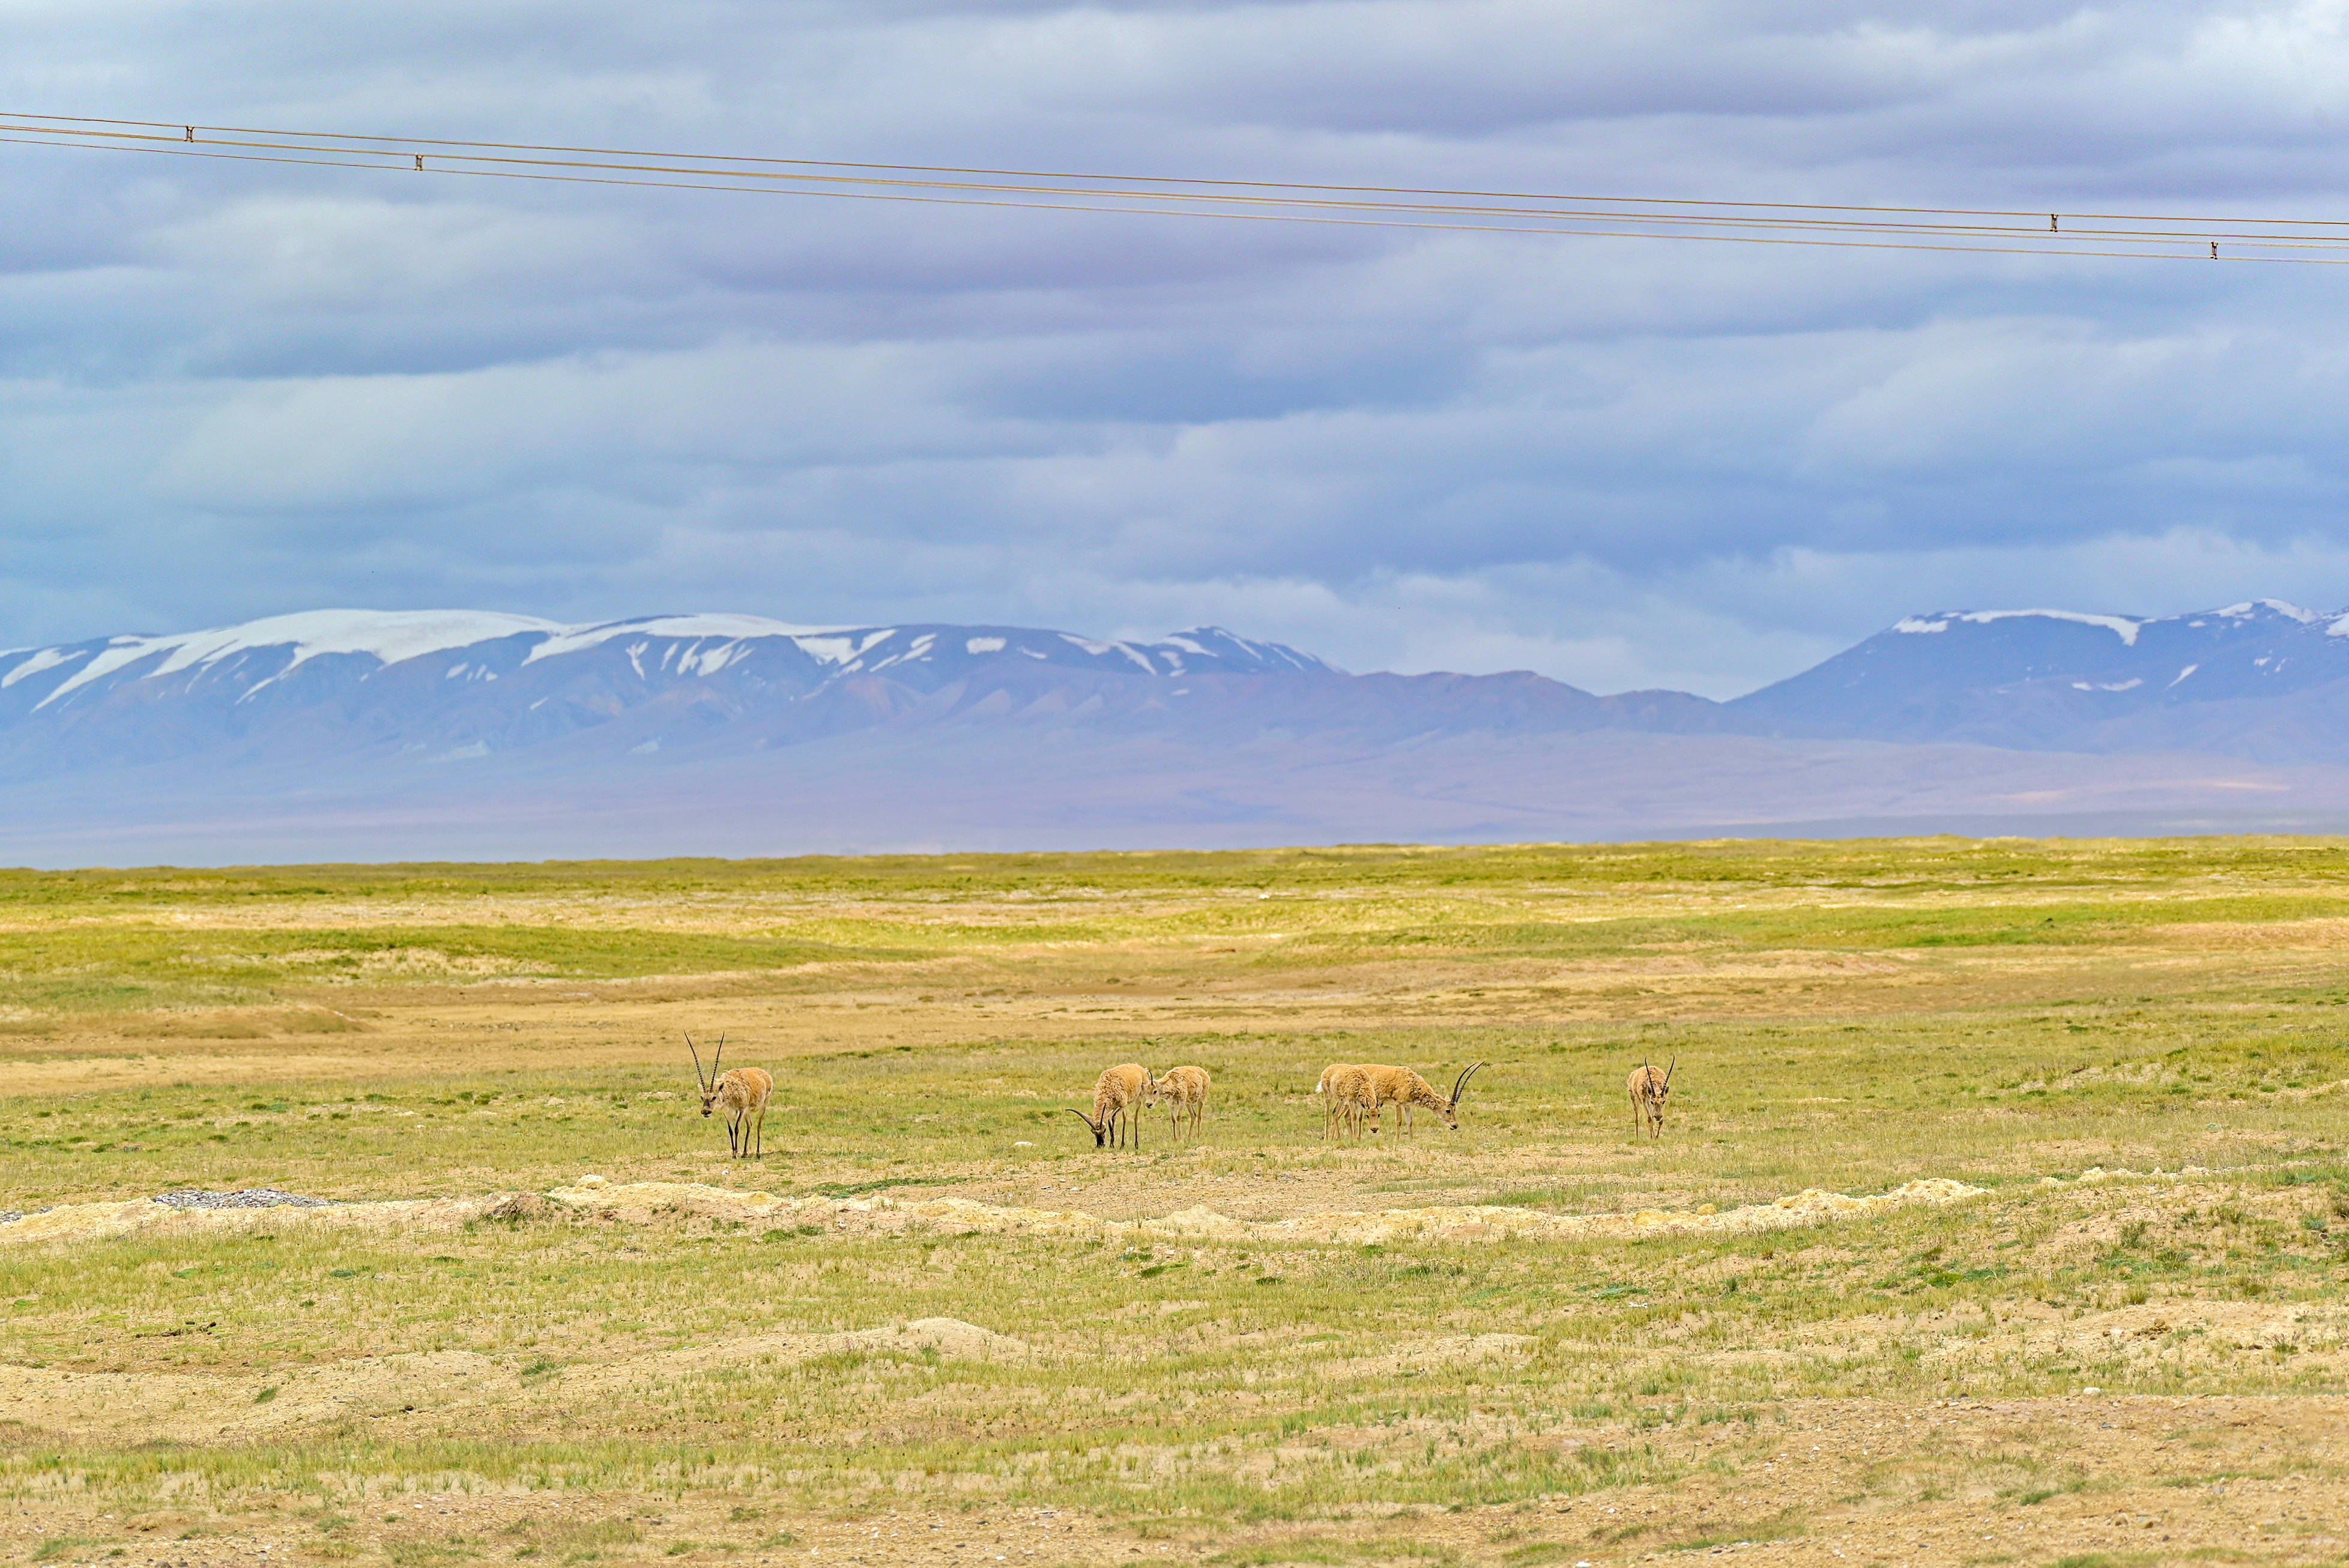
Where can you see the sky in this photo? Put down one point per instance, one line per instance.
(233, 390)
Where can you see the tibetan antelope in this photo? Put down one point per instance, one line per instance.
(1118, 1092)
(1353, 1099)
(744, 1092)
(1405, 1089)
(1648, 1089)
(1185, 1090)
(1333, 1110)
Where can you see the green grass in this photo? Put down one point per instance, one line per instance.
(108, 941)
(1747, 1119)
(2010, 1015)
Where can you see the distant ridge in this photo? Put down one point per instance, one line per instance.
(368, 734)
(331, 685)
(2262, 678)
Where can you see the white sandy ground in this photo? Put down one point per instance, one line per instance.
(644, 1201)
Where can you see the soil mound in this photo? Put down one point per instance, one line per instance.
(645, 1203)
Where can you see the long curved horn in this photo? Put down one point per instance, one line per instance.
(699, 1081)
(1668, 1070)
(717, 1058)
(1462, 1083)
(1080, 1116)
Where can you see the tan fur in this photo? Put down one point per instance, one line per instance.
(1405, 1089)
(744, 1092)
(1332, 1108)
(1118, 1093)
(1352, 1098)
(1649, 1087)
(1185, 1092)
(1398, 1087)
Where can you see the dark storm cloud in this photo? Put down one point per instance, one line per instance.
(230, 389)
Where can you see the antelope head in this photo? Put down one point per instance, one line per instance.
(710, 1082)
(1450, 1110)
(1659, 1087)
(1101, 1128)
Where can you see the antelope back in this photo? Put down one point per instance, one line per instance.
(1353, 1086)
(1120, 1087)
(749, 1086)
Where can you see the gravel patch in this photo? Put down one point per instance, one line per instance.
(250, 1198)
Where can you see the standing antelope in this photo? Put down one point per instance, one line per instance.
(1405, 1088)
(1352, 1098)
(1118, 1092)
(1648, 1089)
(1185, 1090)
(744, 1092)
(1333, 1109)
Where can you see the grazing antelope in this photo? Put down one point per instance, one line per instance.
(1333, 1109)
(1118, 1092)
(1648, 1089)
(744, 1092)
(1402, 1088)
(1392, 1086)
(1185, 1090)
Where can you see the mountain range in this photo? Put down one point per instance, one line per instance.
(374, 735)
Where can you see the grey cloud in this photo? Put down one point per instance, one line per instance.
(228, 390)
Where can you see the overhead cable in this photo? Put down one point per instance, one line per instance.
(1842, 226)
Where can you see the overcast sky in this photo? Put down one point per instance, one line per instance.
(229, 391)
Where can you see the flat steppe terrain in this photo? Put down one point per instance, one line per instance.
(2094, 1314)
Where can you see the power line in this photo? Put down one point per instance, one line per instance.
(1424, 209)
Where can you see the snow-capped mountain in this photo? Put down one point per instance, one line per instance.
(361, 734)
(245, 659)
(2244, 677)
(352, 682)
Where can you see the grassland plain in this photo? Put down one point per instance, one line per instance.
(2129, 1348)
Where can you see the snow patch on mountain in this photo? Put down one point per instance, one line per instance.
(391, 636)
(47, 659)
(2121, 627)
(730, 628)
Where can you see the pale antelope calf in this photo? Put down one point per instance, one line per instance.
(744, 1092)
(1185, 1090)
(1119, 1092)
(1353, 1100)
(1649, 1090)
(1332, 1108)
